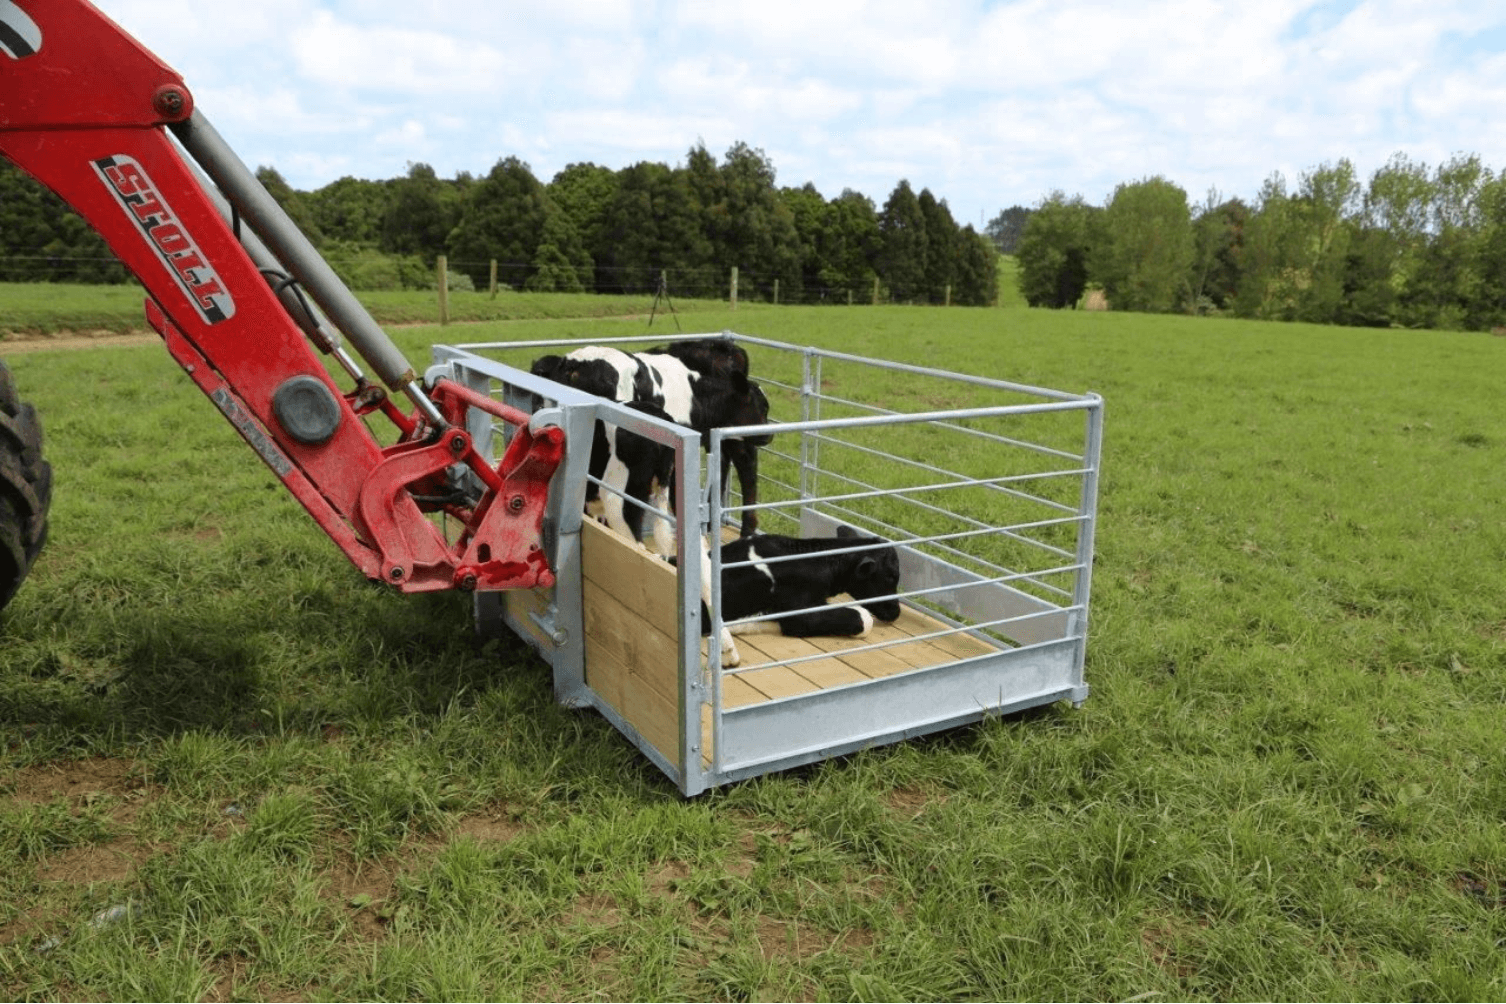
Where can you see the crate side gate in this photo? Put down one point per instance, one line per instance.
(988, 490)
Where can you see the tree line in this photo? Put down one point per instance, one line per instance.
(1411, 246)
(588, 228)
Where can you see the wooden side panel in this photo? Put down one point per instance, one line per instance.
(632, 649)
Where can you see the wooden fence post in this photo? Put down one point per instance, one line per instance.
(734, 287)
(443, 278)
(875, 291)
(491, 285)
(948, 294)
(776, 292)
(849, 297)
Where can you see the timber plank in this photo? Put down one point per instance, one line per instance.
(650, 655)
(737, 692)
(642, 582)
(823, 673)
(656, 719)
(777, 681)
(871, 664)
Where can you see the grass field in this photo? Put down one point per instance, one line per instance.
(234, 770)
(44, 308)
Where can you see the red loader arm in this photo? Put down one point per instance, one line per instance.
(106, 125)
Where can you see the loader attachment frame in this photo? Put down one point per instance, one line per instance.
(113, 131)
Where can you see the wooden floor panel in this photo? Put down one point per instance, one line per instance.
(897, 656)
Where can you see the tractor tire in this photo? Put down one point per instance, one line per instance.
(25, 488)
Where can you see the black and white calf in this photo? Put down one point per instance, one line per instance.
(722, 357)
(642, 470)
(821, 567)
(662, 385)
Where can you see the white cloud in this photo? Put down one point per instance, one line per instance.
(987, 103)
(413, 61)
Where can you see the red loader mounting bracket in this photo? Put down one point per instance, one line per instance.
(113, 131)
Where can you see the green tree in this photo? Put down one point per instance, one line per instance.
(583, 192)
(751, 227)
(1217, 251)
(1054, 250)
(811, 215)
(1487, 306)
(1147, 251)
(1297, 246)
(1369, 294)
(43, 240)
(422, 210)
(1447, 278)
(902, 251)
(976, 282)
(1395, 221)
(852, 243)
(943, 246)
(555, 271)
(653, 224)
(503, 217)
(1005, 229)
(351, 209)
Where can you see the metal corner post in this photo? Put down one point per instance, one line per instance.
(689, 522)
(1088, 508)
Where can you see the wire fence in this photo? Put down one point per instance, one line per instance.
(703, 283)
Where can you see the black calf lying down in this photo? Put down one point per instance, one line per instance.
(807, 582)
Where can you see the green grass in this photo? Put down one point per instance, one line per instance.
(235, 770)
(1009, 282)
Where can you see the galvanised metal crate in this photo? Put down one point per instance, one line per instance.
(988, 488)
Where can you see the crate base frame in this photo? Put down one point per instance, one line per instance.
(614, 630)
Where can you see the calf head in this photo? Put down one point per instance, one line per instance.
(594, 376)
(870, 574)
(745, 404)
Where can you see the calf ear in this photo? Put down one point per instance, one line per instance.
(867, 566)
(846, 531)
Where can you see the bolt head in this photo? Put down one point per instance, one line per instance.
(172, 102)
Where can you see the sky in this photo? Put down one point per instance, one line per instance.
(988, 105)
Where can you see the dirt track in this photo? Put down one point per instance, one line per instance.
(16, 344)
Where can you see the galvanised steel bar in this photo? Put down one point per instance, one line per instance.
(997, 580)
(966, 430)
(969, 629)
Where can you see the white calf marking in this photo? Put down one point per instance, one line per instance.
(760, 564)
(674, 380)
(623, 363)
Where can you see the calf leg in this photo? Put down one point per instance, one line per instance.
(745, 459)
(841, 622)
(730, 654)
